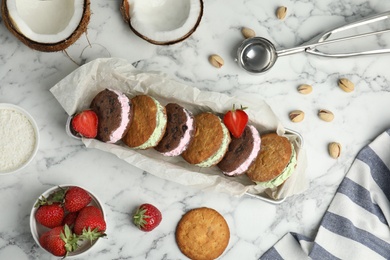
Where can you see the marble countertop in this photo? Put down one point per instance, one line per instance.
(27, 75)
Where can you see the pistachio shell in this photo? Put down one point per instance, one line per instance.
(281, 12)
(305, 89)
(334, 149)
(248, 33)
(297, 116)
(325, 115)
(346, 85)
(216, 60)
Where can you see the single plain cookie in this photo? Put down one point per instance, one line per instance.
(202, 234)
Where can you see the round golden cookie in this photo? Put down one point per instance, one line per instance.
(144, 121)
(207, 139)
(275, 153)
(202, 234)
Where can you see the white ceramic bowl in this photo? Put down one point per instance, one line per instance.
(37, 229)
(68, 129)
(4, 107)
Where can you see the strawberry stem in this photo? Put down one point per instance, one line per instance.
(91, 235)
(71, 240)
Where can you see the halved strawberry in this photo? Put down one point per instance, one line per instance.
(236, 121)
(85, 123)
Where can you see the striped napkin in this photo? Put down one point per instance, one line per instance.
(356, 224)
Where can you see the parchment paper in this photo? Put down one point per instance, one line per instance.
(76, 91)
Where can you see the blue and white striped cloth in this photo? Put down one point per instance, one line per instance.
(356, 224)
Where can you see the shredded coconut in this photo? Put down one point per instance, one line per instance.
(17, 139)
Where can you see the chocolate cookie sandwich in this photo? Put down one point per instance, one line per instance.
(114, 111)
(148, 125)
(210, 142)
(275, 162)
(241, 153)
(179, 132)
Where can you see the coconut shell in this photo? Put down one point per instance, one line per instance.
(125, 11)
(47, 47)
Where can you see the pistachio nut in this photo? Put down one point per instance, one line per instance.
(325, 115)
(216, 60)
(334, 149)
(281, 12)
(346, 85)
(305, 89)
(248, 33)
(297, 116)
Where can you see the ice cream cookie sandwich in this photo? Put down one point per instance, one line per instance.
(210, 142)
(275, 162)
(114, 111)
(241, 153)
(148, 124)
(179, 132)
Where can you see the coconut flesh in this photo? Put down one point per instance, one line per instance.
(46, 22)
(163, 21)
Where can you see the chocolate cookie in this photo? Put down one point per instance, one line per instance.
(148, 124)
(202, 234)
(241, 153)
(114, 111)
(275, 155)
(179, 132)
(210, 142)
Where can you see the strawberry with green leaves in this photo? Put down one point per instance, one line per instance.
(147, 217)
(85, 123)
(90, 223)
(236, 121)
(59, 241)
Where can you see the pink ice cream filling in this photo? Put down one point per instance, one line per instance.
(256, 148)
(184, 141)
(118, 133)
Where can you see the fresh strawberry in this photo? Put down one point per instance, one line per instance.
(70, 219)
(50, 215)
(59, 241)
(90, 223)
(236, 121)
(147, 217)
(76, 198)
(85, 123)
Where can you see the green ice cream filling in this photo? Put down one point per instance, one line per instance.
(221, 151)
(161, 122)
(285, 173)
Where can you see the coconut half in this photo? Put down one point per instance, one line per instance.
(46, 25)
(162, 22)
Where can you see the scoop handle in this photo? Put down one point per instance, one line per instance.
(322, 39)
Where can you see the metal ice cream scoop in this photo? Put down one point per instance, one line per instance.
(257, 55)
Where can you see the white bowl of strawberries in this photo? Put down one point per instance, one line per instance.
(67, 220)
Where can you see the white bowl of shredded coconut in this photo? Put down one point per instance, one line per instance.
(19, 138)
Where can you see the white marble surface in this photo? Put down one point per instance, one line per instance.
(26, 77)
